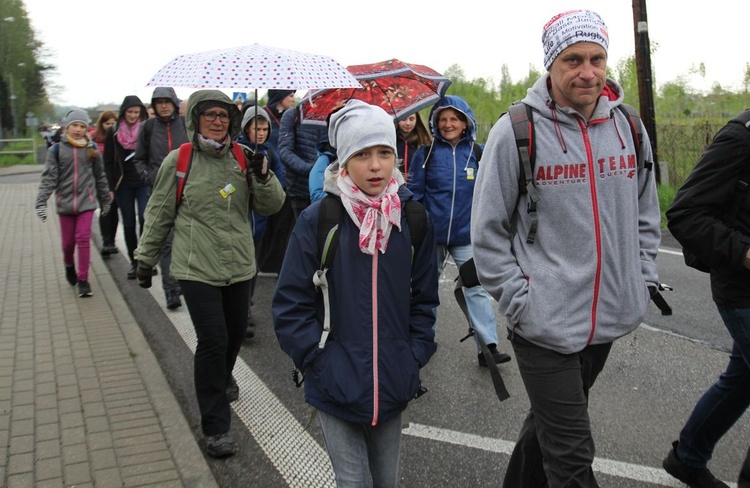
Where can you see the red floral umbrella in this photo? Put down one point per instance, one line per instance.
(399, 88)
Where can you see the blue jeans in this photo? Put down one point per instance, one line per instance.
(127, 197)
(727, 399)
(362, 456)
(478, 301)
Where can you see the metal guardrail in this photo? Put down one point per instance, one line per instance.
(18, 152)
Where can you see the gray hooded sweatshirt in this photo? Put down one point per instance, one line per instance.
(585, 279)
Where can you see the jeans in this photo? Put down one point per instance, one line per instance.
(555, 448)
(168, 283)
(108, 225)
(128, 196)
(725, 401)
(219, 315)
(75, 232)
(362, 455)
(478, 301)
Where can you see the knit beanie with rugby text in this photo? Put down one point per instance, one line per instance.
(568, 28)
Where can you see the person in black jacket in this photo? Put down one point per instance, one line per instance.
(157, 137)
(123, 179)
(710, 217)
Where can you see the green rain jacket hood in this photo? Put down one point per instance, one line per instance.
(213, 241)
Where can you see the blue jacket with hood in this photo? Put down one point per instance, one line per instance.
(382, 317)
(446, 185)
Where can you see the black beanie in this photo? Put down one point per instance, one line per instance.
(276, 96)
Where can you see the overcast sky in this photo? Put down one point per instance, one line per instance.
(107, 50)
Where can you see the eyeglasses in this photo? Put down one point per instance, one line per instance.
(211, 116)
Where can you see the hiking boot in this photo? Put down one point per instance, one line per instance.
(499, 357)
(71, 275)
(133, 267)
(233, 391)
(693, 477)
(84, 289)
(220, 446)
(173, 299)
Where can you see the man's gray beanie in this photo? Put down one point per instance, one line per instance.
(357, 126)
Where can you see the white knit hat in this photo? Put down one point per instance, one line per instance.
(357, 126)
(570, 27)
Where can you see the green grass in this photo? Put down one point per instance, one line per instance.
(666, 195)
(14, 159)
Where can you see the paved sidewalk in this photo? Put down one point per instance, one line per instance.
(83, 401)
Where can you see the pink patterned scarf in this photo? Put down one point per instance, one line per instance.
(375, 216)
(127, 134)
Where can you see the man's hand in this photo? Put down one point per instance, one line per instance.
(144, 274)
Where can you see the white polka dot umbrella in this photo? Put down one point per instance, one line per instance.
(254, 67)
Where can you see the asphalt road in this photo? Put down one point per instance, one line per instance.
(460, 434)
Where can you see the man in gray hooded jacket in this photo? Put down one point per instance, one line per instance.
(585, 280)
(157, 137)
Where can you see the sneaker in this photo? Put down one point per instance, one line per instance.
(84, 289)
(499, 357)
(133, 267)
(693, 477)
(173, 299)
(71, 275)
(220, 446)
(106, 252)
(113, 250)
(233, 391)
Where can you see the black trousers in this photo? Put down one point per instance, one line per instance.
(219, 315)
(108, 225)
(744, 479)
(555, 448)
(272, 247)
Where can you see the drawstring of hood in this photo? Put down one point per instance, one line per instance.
(556, 123)
(617, 128)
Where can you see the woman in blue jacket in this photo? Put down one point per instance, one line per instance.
(442, 177)
(361, 376)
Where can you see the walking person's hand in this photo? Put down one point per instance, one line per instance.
(41, 212)
(144, 274)
(259, 166)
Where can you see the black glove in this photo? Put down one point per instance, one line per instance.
(105, 209)
(259, 166)
(144, 274)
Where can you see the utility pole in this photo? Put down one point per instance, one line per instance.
(645, 78)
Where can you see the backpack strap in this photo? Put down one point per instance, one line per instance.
(636, 132)
(522, 121)
(184, 161)
(475, 148)
(467, 278)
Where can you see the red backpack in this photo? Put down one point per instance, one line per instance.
(185, 160)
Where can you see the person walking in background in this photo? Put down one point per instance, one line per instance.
(122, 176)
(586, 277)
(213, 256)
(256, 127)
(298, 149)
(381, 308)
(442, 176)
(279, 101)
(710, 217)
(157, 137)
(75, 173)
(107, 223)
(411, 133)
